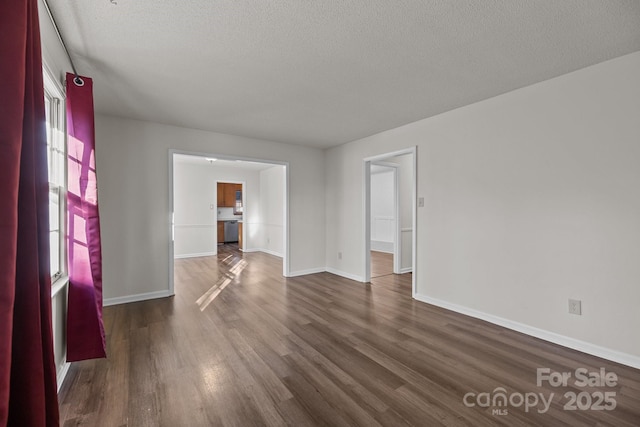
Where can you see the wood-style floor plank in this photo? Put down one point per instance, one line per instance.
(239, 345)
(381, 264)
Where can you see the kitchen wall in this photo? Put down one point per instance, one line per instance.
(272, 185)
(133, 182)
(531, 198)
(194, 196)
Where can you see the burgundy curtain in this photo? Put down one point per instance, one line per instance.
(85, 329)
(27, 369)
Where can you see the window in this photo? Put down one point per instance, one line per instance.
(238, 207)
(54, 111)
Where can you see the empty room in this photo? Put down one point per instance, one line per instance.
(329, 213)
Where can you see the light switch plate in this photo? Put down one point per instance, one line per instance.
(575, 307)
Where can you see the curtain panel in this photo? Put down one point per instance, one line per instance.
(85, 328)
(28, 395)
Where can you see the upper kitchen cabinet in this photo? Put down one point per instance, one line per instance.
(221, 199)
(228, 195)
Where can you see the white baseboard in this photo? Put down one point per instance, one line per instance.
(583, 346)
(406, 270)
(195, 255)
(247, 250)
(270, 252)
(305, 272)
(135, 298)
(345, 274)
(62, 373)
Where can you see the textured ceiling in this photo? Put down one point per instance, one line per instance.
(322, 73)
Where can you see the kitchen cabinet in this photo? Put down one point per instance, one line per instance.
(221, 187)
(220, 231)
(222, 195)
(230, 194)
(227, 194)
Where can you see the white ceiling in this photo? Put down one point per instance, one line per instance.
(325, 72)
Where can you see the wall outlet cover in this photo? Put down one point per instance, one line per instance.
(575, 306)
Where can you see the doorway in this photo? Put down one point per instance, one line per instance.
(196, 210)
(385, 250)
(390, 227)
(230, 212)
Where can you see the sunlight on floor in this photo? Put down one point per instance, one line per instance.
(234, 270)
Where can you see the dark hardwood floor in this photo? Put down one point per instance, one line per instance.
(240, 345)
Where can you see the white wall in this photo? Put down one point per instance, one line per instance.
(195, 232)
(383, 212)
(133, 183)
(53, 53)
(272, 210)
(532, 198)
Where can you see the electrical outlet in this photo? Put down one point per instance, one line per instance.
(339, 255)
(575, 307)
(421, 202)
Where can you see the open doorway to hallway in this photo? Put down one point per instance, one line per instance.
(390, 215)
(384, 192)
(204, 223)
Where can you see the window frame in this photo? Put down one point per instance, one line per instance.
(57, 150)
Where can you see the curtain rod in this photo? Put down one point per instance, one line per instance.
(77, 80)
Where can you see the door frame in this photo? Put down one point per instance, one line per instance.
(286, 269)
(366, 220)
